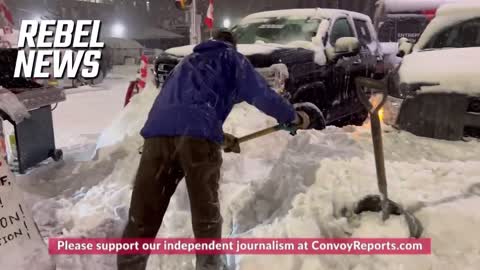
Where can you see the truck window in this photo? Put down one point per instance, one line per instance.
(394, 27)
(411, 27)
(387, 31)
(282, 30)
(363, 31)
(340, 29)
(466, 34)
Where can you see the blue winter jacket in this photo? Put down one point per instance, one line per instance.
(203, 88)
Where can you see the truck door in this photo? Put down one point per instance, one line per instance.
(368, 47)
(342, 70)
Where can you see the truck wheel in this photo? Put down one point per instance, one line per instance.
(57, 155)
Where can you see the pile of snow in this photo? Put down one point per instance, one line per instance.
(284, 186)
(129, 122)
(455, 70)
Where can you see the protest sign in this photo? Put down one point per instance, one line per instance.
(21, 246)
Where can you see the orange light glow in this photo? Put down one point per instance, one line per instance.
(381, 114)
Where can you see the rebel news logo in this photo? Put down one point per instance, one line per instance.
(53, 48)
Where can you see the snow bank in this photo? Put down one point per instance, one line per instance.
(284, 186)
(456, 70)
(131, 120)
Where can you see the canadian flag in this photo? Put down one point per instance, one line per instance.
(5, 14)
(209, 18)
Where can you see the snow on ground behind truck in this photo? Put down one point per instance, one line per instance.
(281, 186)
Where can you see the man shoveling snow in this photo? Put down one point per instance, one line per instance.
(183, 136)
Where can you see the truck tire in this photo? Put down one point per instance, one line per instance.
(57, 155)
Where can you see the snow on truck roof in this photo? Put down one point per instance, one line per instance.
(460, 8)
(398, 6)
(448, 15)
(303, 13)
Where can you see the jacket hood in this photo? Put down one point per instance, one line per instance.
(211, 45)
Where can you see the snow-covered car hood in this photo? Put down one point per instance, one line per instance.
(261, 48)
(455, 70)
(245, 49)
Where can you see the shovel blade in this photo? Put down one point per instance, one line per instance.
(373, 203)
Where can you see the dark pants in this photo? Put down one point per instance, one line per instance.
(165, 161)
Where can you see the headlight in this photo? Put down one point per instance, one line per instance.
(276, 76)
(164, 64)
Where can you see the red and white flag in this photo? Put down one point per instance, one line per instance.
(5, 15)
(142, 80)
(209, 18)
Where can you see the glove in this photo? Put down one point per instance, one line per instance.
(230, 144)
(309, 116)
(302, 120)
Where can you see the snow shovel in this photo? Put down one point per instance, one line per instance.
(382, 203)
(234, 144)
(317, 121)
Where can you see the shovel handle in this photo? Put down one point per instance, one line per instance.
(376, 127)
(379, 86)
(259, 133)
(267, 131)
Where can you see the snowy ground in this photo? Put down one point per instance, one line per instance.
(280, 186)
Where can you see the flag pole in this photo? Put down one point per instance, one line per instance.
(209, 18)
(193, 23)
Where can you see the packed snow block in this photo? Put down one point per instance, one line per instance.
(435, 115)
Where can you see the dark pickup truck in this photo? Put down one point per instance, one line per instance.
(307, 55)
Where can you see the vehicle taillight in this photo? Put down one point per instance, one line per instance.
(430, 14)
